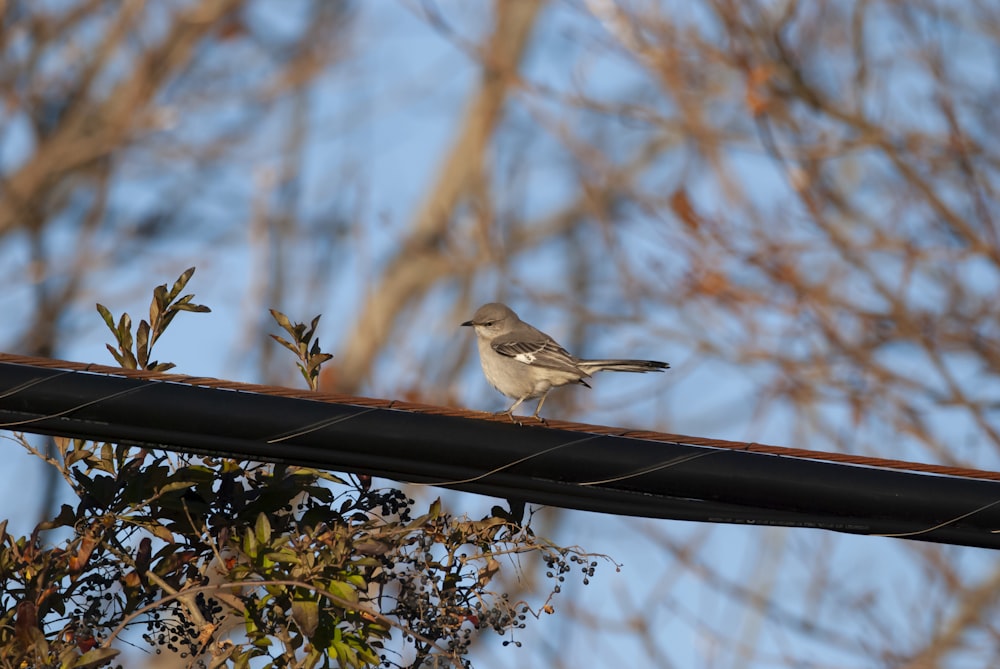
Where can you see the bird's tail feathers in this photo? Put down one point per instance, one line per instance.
(591, 366)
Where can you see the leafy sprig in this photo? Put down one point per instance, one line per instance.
(310, 356)
(136, 353)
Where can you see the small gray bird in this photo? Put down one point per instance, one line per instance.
(523, 362)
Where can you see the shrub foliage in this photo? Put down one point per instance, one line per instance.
(212, 562)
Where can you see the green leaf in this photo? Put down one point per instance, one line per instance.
(249, 543)
(317, 359)
(339, 647)
(284, 556)
(342, 590)
(368, 656)
(305, 613)
(95, 657)
(142, 343)
(124, 335)
(161, 300)
(68, 657)
(168, 316)
(66, 518)
(312, 659)
(180, 283)
(117, 356)
(262, 528)
(156, 305)
(176, 485)
(161, 532)
(282, 320)
(319, 473)
(106, 315)
(435, 510)
(196, 308)
(107, 459)
(102, 488)
(285, 343)
(124, 330)
(75, 456)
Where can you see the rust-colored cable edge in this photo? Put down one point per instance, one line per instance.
(323, 396)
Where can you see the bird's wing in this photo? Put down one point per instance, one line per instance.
(541, 352)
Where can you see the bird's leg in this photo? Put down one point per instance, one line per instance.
(510, 412)
(539, 407)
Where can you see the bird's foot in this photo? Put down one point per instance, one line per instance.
(521, 420)
(509, 414)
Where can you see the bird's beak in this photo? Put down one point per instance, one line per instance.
(467, 323)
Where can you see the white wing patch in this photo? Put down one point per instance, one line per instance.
(526, 358)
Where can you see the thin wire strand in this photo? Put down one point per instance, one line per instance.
(510, 464)
(652, 468)
(939, 525)
(73, 409)
(319, 426)
(28, 384)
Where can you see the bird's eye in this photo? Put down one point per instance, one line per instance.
(488, 324)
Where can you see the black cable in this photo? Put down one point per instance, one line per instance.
(594, 472)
